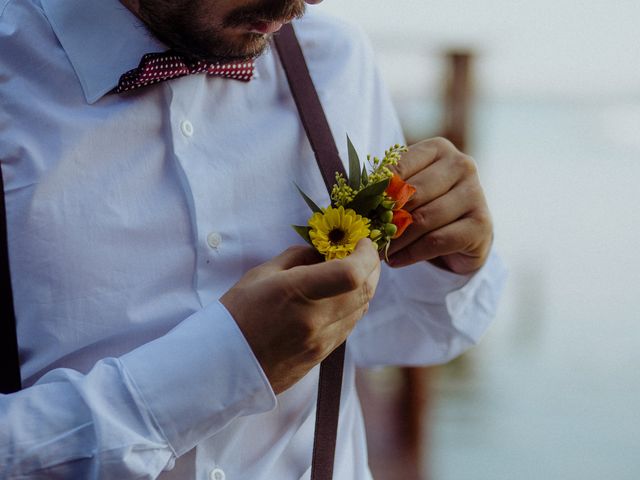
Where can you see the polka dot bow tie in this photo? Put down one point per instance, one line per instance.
(158, 67)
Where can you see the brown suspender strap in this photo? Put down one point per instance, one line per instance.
(309, 106)
(324, 147)
(9, 361)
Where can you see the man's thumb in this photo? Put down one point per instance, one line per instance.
(295, 256)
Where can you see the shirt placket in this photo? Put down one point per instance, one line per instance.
(206, 193)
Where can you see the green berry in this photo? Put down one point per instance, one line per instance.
(386, 216)
(390, 229)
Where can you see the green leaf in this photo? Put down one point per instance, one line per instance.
(364, 205)
(377, 188)
(373, 189)
(354, 166)
(364, 176)
(303, 232)
(369, 197)
(314, 208)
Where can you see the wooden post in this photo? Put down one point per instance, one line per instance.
(398, 420)
(457, 98)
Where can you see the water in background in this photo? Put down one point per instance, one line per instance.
(553, 391)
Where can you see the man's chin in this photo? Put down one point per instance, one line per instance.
(252, 45)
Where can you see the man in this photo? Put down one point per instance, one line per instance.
(165, 329)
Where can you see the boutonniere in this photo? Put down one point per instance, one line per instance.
(366, 204)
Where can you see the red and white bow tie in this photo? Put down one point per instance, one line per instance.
(158, 67)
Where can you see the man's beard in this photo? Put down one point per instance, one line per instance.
(182, 25)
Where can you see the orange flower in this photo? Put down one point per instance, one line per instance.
(400, 191)
(401, 219)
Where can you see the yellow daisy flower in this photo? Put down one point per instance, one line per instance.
(336, 231)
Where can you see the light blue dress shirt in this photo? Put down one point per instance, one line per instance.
(129, 216)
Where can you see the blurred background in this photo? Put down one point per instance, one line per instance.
(546, 96)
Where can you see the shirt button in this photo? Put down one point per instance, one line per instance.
(214, 239)
(217, 474)
(187, 128)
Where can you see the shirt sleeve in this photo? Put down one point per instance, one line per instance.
(424, 315)
(131, 416)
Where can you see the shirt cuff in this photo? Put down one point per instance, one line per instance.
(471, 300)
(473, 306)
(424, 281)
(199, 377)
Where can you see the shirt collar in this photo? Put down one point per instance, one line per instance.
(102, 39)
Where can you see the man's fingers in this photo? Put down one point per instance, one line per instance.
(436, 214)
(440, 178)
(336, 277)
(293, 257)
(420, 156)
(458, 236)
(431, 183)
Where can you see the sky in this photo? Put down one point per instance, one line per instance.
(551, 48)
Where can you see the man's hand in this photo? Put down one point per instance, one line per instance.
(452, 226)
(294, 311)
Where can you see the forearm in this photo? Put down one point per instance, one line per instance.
(130, 417)
(70, 425)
